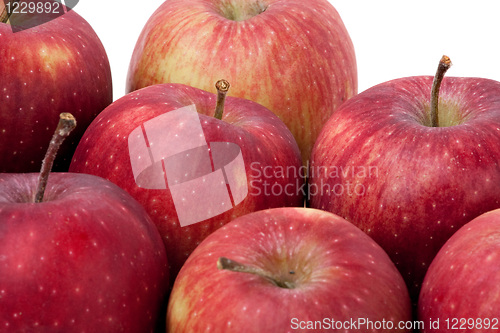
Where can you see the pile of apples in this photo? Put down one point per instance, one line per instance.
(369, 212)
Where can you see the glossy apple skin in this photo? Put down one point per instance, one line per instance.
(88, 258)
(425, 182)
(262, 137)
(463, 280)
(59, 66)
(296, 58)
(339, 272)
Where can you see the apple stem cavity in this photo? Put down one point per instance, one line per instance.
(4, 16)
(234, 266)
(444, 65)
(66, 124)
(222, 87)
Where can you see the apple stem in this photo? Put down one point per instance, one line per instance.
(4, 16)
(444, 65)
(66, 124)
(222, 87)
(234, 266)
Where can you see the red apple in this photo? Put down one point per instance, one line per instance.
(80, 256)
(59, 66)
(289, 269)
(461, 290)
(409, 183)
(295, 57)
(153, 144)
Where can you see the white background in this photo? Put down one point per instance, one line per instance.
(392, 38)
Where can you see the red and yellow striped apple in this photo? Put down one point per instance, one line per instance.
(58, 66)
(409, 180)
(286, 270)
(265, 144)
(77, 254)
(294, 57)
(461, 290)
